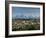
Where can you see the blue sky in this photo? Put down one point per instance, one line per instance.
(26, 11)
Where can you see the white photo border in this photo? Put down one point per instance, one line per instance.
(25, 32)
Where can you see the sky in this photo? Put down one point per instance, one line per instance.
(26, 11)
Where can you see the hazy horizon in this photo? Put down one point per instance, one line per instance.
(25, 11)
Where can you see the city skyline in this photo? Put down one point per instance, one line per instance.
(25, 11)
